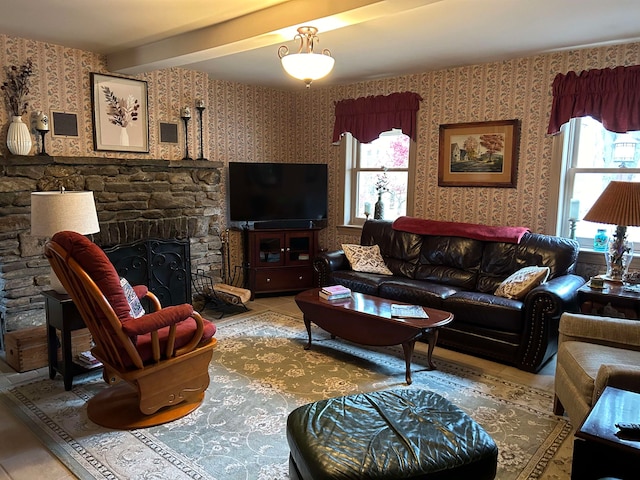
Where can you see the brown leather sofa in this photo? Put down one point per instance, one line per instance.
(460, 275)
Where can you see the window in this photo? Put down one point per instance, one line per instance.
(377, 170)
(592, 157)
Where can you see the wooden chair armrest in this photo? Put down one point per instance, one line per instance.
(143, 292)
(197, 336)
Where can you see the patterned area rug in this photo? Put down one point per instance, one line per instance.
(259, 373)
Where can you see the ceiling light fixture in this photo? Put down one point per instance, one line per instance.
(306, 65)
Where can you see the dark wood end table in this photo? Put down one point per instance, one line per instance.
(599, 449)
(366, 320)
(62, 315)
(612, 301)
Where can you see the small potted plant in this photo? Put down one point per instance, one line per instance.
(16, 90)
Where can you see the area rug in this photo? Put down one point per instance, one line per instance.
(259, 373)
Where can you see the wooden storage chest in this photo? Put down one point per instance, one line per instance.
(26, 349)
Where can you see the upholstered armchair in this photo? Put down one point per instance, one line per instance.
(594, 352)
(156, 362)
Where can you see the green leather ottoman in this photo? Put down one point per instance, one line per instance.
(391, 434)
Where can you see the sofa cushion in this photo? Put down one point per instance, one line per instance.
(366, 259)
(518, 284)
(498, 262)
(419, 292)
(486, 310)
(558, 253)
(502, 259)
(584, 360)
(400, 250)
(453, 261)
(358, 282)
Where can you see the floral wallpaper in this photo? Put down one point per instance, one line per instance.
(512, 89)
(251, 123)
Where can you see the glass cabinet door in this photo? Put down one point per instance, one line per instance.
(298, 248)
(271, 249)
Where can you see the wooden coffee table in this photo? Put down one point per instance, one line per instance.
(366, 320)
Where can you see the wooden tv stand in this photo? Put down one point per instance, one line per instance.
(280, 260)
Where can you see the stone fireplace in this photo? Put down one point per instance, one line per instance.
(136, 199)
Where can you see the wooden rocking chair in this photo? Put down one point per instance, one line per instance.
(162, 357)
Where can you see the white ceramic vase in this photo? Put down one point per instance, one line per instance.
(124, 137)
(18, 137)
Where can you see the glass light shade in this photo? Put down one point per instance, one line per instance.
(52, 212)
(307, 66)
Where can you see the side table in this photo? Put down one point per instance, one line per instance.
(610, 301)
(62, 315)
(599, 449)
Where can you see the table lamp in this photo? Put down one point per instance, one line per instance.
(619, 204)
(53, 212)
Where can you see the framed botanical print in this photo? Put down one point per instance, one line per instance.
(480, 154)
(120, 113)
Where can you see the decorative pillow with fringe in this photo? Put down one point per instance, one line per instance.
(518, 284)
(366, 259)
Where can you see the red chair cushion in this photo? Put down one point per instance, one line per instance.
(184, 333)
(98, 266)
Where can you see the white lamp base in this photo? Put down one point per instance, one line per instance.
(56, 285)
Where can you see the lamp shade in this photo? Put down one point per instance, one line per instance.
(619, 204)
(52, 212)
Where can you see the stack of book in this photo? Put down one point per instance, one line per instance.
(335, 292)
(87, 360)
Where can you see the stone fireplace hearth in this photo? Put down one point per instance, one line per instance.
(136, 199)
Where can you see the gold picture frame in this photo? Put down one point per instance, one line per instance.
(479, 154)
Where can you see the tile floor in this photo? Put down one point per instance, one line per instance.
(23, 457)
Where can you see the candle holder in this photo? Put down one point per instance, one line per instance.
(200, 108)
(186, 115)
(43, 152)
(572, 228)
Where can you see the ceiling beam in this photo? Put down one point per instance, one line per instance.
(269, 26)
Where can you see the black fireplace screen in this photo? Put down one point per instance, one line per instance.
(163, 265)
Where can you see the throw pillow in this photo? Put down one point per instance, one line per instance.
(135, 307)
(366, 259)
(518, 284)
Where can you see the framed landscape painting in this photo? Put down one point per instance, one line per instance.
(120, 114)
(479, 154)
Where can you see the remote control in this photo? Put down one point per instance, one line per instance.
(629, 427)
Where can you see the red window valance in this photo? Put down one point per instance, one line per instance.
(367, 117)
(610, 95)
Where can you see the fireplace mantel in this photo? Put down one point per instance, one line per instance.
(44, 160)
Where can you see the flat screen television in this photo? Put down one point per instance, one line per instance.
(278, 195)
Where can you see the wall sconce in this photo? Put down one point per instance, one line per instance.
(53, 212)
(306, 65)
